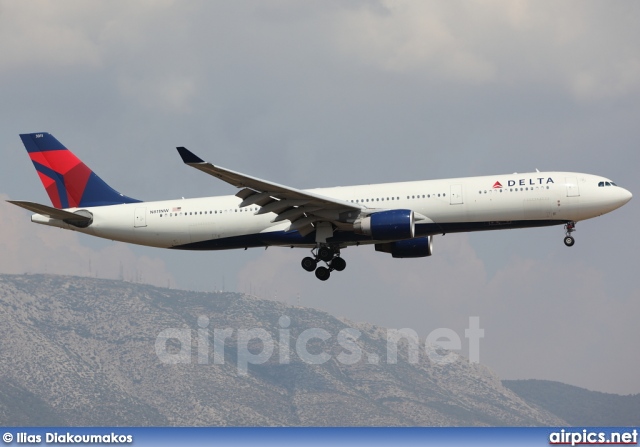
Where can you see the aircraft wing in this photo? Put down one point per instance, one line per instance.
(302, 208)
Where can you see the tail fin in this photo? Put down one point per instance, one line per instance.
(68, 181)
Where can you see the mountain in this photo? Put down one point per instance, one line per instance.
(83, 351)
(579, 406)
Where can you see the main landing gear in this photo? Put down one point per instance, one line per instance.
(330, 256)
(569, 240)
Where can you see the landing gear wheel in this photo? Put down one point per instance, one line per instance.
(322, 273)
(570, 227)
(309, 264)
(338, 264)
(325, 254)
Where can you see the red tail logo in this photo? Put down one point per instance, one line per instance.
(68, 181)
(497, 185)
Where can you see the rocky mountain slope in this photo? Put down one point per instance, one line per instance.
(83, 351)
(579, 406)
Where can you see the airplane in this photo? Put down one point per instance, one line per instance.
(400, 219)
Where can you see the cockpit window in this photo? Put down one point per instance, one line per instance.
(601, 184)
(607, 184)
(613, 184)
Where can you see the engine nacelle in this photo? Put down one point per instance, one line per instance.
(411, 248)
(385, 225)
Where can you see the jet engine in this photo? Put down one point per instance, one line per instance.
(386, 225)
(410, 248)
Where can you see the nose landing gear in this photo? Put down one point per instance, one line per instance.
(329, 255)
(569, 240)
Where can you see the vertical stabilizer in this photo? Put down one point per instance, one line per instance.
(68, 181)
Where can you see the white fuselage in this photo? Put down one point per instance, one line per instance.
(450, 205)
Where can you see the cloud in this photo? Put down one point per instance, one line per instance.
(496, 42)
(43, 34)
(404, 37)
(30, 248)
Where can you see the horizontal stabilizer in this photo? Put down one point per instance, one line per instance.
(51, 212)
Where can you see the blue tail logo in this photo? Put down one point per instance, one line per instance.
(68, 181)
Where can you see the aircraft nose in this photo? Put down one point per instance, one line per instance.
(625, 196)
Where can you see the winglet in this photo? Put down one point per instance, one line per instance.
(188, 156)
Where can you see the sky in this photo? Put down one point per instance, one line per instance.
(314, 94)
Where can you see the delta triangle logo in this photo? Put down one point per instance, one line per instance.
(497, 185)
